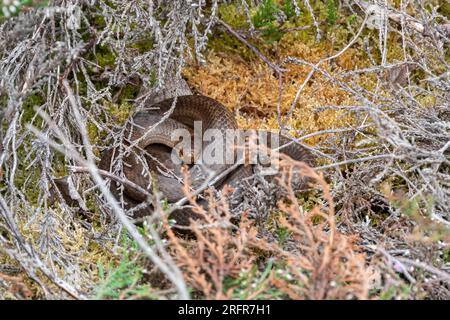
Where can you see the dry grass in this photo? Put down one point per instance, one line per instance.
(250, 89)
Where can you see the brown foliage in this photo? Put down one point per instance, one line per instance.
(327, 262)
(319, 262)
(16, 286)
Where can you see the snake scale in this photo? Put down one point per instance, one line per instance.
(148, 137)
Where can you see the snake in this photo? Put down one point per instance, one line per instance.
(148, 153)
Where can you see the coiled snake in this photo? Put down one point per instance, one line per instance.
(155, 147)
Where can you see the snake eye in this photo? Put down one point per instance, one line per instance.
(181, 155)
(186, 157)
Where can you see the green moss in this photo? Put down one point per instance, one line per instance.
(444, 9)
(92, 131)
(128, 92)
(25, 178)
(263, 19)
(99, 21)
(394, 48)
(143, 45)
(32, 101)
(270, 34)
(104, 56)
(400, 292)
(446, 255)
(428, 100)
(307, 36)
(3, 101)
(28, 178)
(119, 112)
(223, 42)
(309, 200)
(153, 78)
(232, 16)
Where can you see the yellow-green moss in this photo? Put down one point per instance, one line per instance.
(28, 106)
(104, 56)
(119, 112)
(143, 45)
(444, 9)
(233, 16)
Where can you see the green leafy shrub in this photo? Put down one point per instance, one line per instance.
(332, 14)
(266, 14)
(125, 280)
(288, 9)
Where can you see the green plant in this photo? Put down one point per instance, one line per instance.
(288, 9)
(124, 281)
(283, 234)
(266, 14)
(253, 284)
(332, 14)
(265, 19)
(400, 292)
(419, 209)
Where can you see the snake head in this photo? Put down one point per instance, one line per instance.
(186, 156)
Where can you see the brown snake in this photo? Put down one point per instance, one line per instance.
(155, 147)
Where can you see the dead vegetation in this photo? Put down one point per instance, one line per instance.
(364, 86)
(315, 260)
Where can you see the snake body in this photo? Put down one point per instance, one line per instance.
(149, 134)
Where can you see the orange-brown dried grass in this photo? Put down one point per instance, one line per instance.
(328, 264)
(322, 264)
(251, 88)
